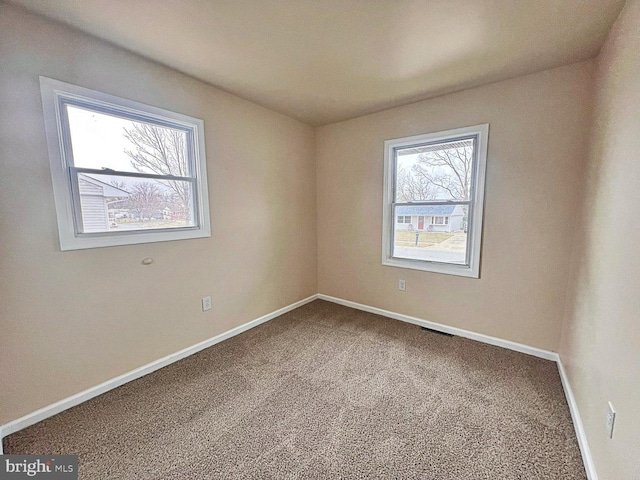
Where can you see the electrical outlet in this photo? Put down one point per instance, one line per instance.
(611, 419)
(402, 285)
(206, 303)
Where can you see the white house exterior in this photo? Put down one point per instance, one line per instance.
(430, 218)
(94, 205)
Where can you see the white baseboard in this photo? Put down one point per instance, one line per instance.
(499, 342)
(73, 400)
(587, 459)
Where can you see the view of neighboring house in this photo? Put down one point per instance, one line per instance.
(95, 198)
(173, 214)
(431, 218)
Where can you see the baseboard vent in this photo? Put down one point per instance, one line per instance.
(438, 332)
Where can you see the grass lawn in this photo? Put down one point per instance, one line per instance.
(408, 239)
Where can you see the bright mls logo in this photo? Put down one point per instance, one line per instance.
(51, 467)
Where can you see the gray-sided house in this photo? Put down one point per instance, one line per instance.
(431, 218)
(95, 198)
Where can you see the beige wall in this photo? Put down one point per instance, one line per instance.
(601, 340)
(70, 320)
(537, 150)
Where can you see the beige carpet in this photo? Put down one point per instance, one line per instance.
(328, 392)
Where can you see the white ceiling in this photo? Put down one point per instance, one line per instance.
(327, 60)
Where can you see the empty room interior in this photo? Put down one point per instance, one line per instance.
(321, 239)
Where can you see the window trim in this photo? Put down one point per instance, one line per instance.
(476, 205)
(54, 93)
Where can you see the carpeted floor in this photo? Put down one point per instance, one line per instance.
(326, 392)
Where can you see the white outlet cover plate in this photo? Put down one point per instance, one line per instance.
(611, 419)
(206, 303)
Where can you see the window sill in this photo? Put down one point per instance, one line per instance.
(434, 267)
(69, 241)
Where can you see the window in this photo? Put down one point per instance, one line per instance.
(123, 172)
(404, 219)
(439, 176)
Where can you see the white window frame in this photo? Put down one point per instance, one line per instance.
(471, 268)
(55, 94)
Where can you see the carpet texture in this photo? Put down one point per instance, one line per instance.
(326, 391)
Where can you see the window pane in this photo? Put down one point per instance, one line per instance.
(436, 172)
(111, 203)
(438, 234)
(100, 140)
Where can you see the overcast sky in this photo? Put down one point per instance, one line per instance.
(98, 141)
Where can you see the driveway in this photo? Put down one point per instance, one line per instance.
(452, 250)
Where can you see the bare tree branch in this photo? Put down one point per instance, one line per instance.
(145, 199)
(162, 151)
(447, 169)
(410, 187)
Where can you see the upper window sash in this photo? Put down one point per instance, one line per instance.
(65, 100)
(453, 143)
